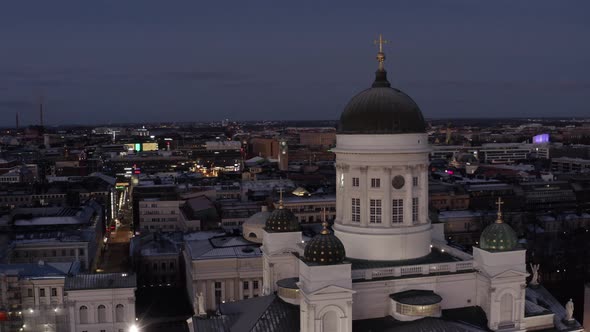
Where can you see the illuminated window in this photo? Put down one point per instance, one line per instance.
(397, 211)
(356, 210)
(375, 211)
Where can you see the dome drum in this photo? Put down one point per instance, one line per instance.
(415, 304)
(288, 290)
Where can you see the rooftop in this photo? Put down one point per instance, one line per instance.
(223, 247)
(435, 256)
(261, 314)
(41, 269)
(100, 281)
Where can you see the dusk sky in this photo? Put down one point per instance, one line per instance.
(113, 61)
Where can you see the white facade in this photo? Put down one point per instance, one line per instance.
(96, 310)
(278, 261)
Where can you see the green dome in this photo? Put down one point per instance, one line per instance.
(324, 249)
(282, 220)
(498, 237)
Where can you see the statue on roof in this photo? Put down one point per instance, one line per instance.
(200, 304)
(569, 311)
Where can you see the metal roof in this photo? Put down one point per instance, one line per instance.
(100, 281)
(259, 314)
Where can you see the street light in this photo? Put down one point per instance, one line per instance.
(133, 328)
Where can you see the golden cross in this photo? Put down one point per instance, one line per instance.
(281, 197)
(499, 203)
(380, 42)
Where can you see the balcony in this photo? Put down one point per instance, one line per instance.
(401, 271)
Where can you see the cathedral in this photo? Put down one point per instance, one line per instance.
(383, 265)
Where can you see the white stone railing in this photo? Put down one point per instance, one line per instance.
(400, 271)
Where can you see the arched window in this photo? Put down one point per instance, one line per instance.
(506, 308)
(119, 313)
(102, 314)
(83, 314)
(252, 235)
(330, 322)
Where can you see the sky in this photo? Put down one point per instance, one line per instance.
(113, 61)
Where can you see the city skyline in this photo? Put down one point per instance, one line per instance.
(124, 62)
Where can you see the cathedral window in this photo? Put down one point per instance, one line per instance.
(415, 209)
(397, 211)
(375, 183)
(355, 182)
(356, 210)
(375, 211)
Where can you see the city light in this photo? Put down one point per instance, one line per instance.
(133, 328)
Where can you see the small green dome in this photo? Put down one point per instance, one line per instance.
(498, 237)
(282, 220)
(324, 249)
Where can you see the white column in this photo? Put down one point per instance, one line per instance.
(231, 290)
(364, 178)
(250, 288)
(423, 185)
(241, 289)
(386, 217)
(223, 293)
(408, 199)
(259, 287)
(36, 299)
(212, 298)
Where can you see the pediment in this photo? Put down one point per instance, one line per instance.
(332, 289)
(510, 274)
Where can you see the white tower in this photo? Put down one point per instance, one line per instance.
(325, 286)
(381, 167)
(281, 238)
(501, 281)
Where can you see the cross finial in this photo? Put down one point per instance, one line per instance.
(281, 197)
(499, 203)
(324, 222)
(380, 55)
(380, 42)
